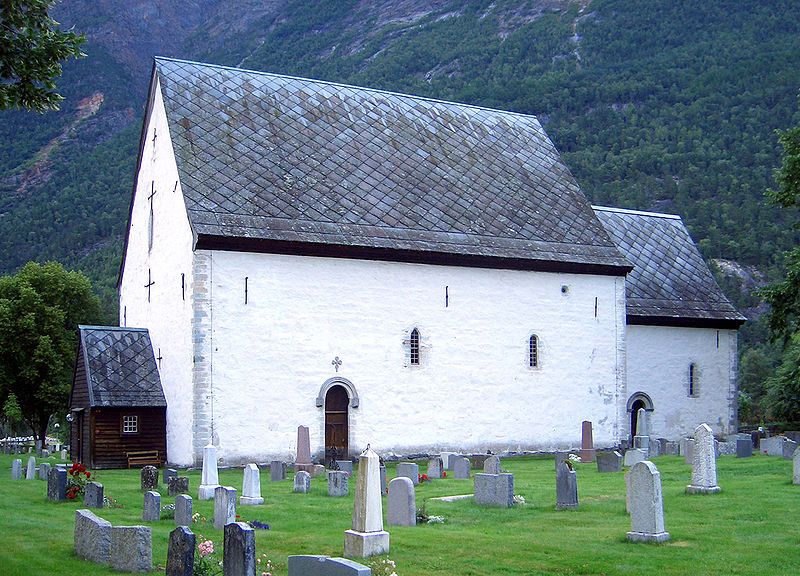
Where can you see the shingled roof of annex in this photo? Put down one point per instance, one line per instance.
(272, 163)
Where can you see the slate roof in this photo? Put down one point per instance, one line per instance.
(276, 159)
(120, 367)
(670, 283)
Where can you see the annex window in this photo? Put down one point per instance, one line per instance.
(533, 351)
(413, 344)
(130, 424)
(693, 379)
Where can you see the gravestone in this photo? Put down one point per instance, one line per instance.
(434, 470)
(149, 477)
(687, 449)
(384, 487)
(325, 566)
(345, 466)
(566, 488)
(445, 456)
(559, 458)
(224, 506)
(302, 482)
(628, 491)
(45, 453)
(92, 537)
(587, 442)
(63, 455)
(494, 490)
(492, 465)
(57, 485)
(704, 463)
(239, 555)
(408, 470)
(796, 467)
(653, 448)
(93, 495)
(646, 505)
(251, 487)
(317, 470)
(478, 460)
(672, 448)
(151, 510)
(169, 473)
(131, 549)
(633, 456)
(303, 460)
(183, 510)
(338, 483)
(744, 447)
(180, 552)
(401, 503)
(16, 469)
(461, 467)
(178, 485)
(210, 477)
(44, 471)
(642, 429)
(642, 443)
(367, 537)
(30, 471)
(277, 471)
(609, 461)
(38, 448)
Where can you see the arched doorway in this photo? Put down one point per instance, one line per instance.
(636, 402)
(336, 430)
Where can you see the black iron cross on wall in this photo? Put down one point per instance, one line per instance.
(159, 358)
(149, 284)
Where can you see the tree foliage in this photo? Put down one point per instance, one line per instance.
(31, 51)
(40, 308)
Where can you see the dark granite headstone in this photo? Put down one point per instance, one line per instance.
(149, 478)
(169, 473)
(93, 495)
(337, 483)
(151, 510)
(384, 487)
(180, 553)
(277, 471)
(239, 556)
(44, 471)
(478, 460)
(609, 462)
(566, 488)
(178, 485)
(744, 447)
(345, 466)
(183, 510)
(57, 485)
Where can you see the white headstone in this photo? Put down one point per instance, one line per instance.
(796, 467)
(704, 463)
(367, 538)
(30, 473)
(251, 487)
(641, 422)
(210, 478)
(646, 504)
(633, 456)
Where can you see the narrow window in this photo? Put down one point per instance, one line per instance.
(130, 424)
(414, 346)
(692, 379)
(533, 352)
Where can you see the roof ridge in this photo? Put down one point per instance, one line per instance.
(111, 328)
(351, 86)
(637, 212)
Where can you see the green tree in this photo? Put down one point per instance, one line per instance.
(31, 51)
(784, 296)
(40, 308)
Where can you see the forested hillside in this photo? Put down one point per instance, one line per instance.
(661, 105)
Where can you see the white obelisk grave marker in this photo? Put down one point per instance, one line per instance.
(367, 538)
(210, 480)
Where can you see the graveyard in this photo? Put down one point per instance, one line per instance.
(749, 527)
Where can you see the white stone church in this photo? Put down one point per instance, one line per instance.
(414, 274)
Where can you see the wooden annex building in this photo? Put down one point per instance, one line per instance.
(117, 405)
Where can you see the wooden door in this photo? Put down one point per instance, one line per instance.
(336, 433)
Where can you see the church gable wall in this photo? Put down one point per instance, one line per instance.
(278, 327)
(658, 365)
(159, 253)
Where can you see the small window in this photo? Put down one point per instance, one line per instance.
(692, 379)
(533, 351)
(130, 424)
(414, 347)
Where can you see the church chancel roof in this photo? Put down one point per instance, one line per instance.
(670, 283)
(275, 163)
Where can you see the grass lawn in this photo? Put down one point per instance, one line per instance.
(752, 527)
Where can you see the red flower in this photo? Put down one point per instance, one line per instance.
(88, 474)
(444, 474)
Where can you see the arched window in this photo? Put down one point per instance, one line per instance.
(413, 344)
(533, 351)
(692, 379)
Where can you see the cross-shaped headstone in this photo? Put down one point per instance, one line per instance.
(149, 284)
(336, 363)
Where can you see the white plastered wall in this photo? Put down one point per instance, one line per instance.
(168, 313)
(474, 390)
(658, 365)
